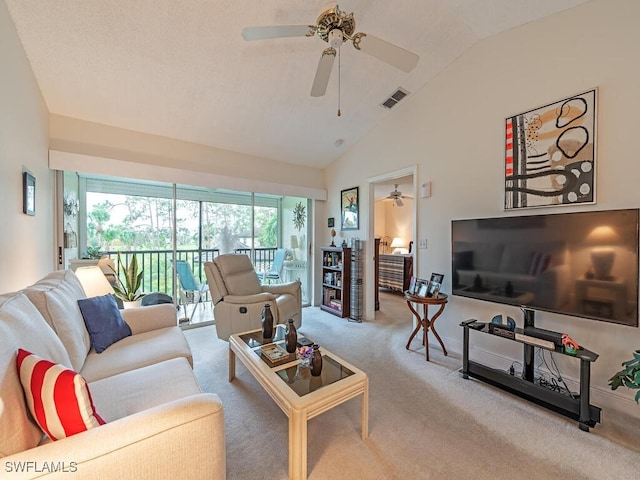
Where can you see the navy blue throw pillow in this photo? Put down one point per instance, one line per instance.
(104, 321)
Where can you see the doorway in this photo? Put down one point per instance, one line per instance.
(393, 226)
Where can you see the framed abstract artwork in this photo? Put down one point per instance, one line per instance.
(28, 193)
(550, 154)
(349, 209)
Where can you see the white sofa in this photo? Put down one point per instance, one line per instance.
(158, 422)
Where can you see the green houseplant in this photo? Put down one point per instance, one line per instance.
(129, 280)
(629, 376)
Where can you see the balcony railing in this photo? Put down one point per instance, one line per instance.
(158, 270)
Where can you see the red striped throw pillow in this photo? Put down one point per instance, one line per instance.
(58, 398)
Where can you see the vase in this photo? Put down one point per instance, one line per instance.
(267, 322)
(305, 362)
(291, 337)
(133, 304)
(316, 361)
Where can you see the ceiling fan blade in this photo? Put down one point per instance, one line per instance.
(277, 31)
(385, 51)
(323, 72)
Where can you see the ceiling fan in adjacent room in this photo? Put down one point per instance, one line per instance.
(336, 27)
(397, 196)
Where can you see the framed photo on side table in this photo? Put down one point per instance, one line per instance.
(349, 209)
(412, 285)
(435, 283)
(433, 289)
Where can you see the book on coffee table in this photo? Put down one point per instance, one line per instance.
(275, 353)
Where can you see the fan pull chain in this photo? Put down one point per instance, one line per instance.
(339, 56)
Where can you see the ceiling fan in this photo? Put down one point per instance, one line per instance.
(336, 27)
(397, 196)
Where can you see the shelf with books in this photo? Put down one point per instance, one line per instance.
(336, 278)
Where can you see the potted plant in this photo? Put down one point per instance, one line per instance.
(127, 290)
(629, 376)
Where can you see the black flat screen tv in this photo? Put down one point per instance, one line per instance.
(583, 264)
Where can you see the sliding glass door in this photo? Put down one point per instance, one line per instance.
(164, 222)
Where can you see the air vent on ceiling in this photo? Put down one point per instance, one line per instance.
(394, 98)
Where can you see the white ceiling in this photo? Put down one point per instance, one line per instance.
(181, 69)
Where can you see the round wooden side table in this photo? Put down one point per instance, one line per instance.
(424, 321)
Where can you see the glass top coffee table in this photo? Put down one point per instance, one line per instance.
(300, 395)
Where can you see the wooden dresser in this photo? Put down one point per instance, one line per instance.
(395, 271)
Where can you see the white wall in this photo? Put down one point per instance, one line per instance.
(26, 242)
(399, 221)
(455, 127)
(101, 148)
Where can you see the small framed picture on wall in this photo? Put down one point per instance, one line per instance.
(349, 209)
(28, 193)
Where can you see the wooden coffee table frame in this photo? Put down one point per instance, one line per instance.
(300, 409)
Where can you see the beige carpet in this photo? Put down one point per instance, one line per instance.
(426, 422)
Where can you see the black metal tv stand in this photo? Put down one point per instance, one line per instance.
(577, 408)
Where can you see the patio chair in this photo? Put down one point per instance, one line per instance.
(275, 272)
(190, 290)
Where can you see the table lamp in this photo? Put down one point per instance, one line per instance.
(397, 244)
(93, 281)
(294, 245)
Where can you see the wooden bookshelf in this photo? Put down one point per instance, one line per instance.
(336, 280)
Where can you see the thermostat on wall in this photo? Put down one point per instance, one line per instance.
(425, 190)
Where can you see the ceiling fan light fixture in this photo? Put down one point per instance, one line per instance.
(337, 27)
(336, 38)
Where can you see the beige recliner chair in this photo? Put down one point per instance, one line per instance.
(239, 298)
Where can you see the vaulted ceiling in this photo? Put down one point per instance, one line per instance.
(181, 69)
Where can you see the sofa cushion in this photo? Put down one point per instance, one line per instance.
(539, 263)
(21, 326)
(58, 398)
(56, 297)
(137, 351)
(131, 392)
(103, 320)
